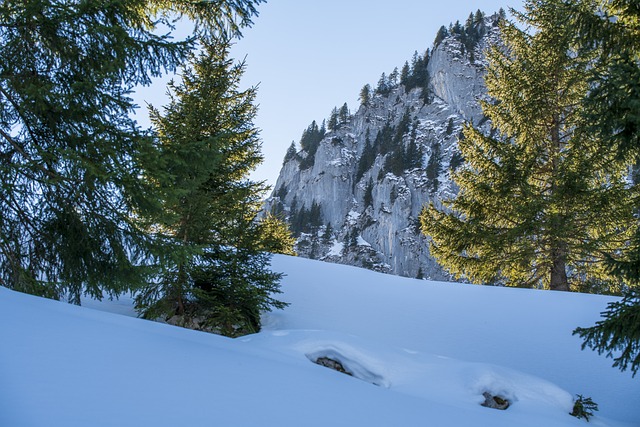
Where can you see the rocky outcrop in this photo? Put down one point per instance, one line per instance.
(355, 198)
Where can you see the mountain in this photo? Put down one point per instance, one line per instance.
(354, 187)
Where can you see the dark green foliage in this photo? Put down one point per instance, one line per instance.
(541, 201)
(328, 234)
(609, 33)
(413, 153)
(291, 154)
(405, 73)
(450, 125)
(434, 167)
(344, 115)
(305, 220)
(418, 75)
(384, 139)
(457, 159)
(333, 120)
(215, 276)
(441, 35)
(384, 86)
(366, 160)
(396, 160)
(368, 194)
(420, 274)
(69, 149)
(365, 95)
(618, 334)
(310, 141)
(583, 407)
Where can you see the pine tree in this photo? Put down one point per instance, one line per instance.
(69, 149)
(541, 202)
(216, 278)
(365, 95)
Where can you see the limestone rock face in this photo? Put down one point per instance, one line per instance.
(380, 230)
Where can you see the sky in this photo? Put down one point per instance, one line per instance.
(307, 57)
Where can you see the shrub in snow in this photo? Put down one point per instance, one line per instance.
(583, 407)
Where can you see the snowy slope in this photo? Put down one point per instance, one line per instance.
(432, 349)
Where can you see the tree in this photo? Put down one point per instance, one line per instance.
(344, 114)
(383, 87)
(611, 31)
(69, 150)
(365, 95)
(291, 153)
(216, 277)
(440, 36)
(618, 334)
(368, 194)
(434, 167)
(540, 202)
(333, 119)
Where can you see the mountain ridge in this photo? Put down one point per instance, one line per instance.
(352, 191)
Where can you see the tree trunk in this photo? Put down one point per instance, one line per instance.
(559, 281)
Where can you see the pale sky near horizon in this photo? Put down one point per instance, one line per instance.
(308, 56)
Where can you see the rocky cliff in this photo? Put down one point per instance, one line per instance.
(353, 189)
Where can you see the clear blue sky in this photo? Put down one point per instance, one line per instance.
(307, 56)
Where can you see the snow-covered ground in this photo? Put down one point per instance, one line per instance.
(422, 354)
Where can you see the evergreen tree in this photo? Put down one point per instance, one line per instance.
(216, 277)
(618, 334)
(611, 31)
(383, 87)
(413, 154)
(405, 73)
(365, 95)
(368, 194)
(328, 234)
(333, 120)
(310, 141)
(393, 77)
(291, 153)
(434, 167)
(449, 127)
(69, 149)
(440, 36)
(541, 200)
(344, 114)
(366, 160)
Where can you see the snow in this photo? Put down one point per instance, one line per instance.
(421, 353)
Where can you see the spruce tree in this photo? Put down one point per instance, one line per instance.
(434, 167)
(368, 194)
(333, 119)
(217, 276)
(365, 95)
(70, 197)
(611, 31)
(540, 202)
(291, 153)
(344, 114)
